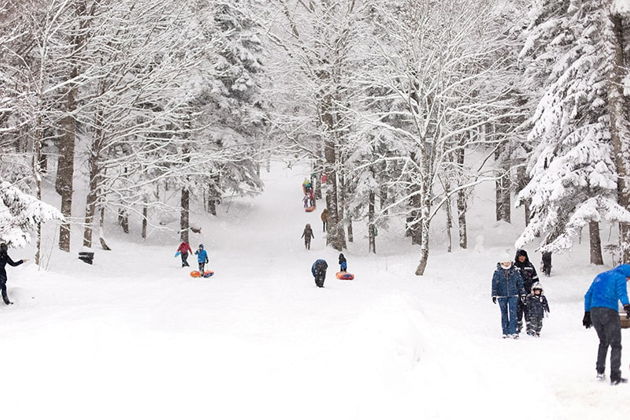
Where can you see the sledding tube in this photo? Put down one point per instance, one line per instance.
(345, 276)
(206, 274)
(310, 209)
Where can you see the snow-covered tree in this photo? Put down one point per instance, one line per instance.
(573, 172)
(21, 216)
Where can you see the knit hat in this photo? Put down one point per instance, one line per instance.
(505, 257)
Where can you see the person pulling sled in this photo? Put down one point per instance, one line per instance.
(202, 258)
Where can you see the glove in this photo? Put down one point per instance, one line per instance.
(586, 321)
(494, 299)
(523, 299)
(627, 309)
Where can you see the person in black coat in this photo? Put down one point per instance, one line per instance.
(529, 275)
(4, 260)
(537, 306)
(318, 270)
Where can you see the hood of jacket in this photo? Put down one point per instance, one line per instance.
(521, 252)
(623, 269)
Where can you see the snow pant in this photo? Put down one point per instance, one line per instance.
(521, 312)
(508, 313)
(608, 326)
(546, 263)
(534, 324)
(202, 266)
(307, 243)
(343, 266)
(184, 256)
(5, 296)
(319, 279)
(324, 223)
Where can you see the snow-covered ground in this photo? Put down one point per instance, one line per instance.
(135, 337)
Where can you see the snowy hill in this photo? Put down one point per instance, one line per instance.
(134, 336)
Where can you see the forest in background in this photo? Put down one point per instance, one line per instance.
(401, 107)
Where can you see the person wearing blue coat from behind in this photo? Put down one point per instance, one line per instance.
(202, 258)
(507, 289)
(601, 306)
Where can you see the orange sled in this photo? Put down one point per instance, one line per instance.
(310, 209)
(206, 274)
(345, 276)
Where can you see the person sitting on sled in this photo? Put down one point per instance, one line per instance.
(343, 264)
(183, 250)
(306, 186)
(202, 258)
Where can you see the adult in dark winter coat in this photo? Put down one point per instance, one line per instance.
(324, 217)
(528, 272)
(184, 249)
(537, 306)
(4, 260)
(507, 289)
(601, 306)
(307, 235)
(318, 269)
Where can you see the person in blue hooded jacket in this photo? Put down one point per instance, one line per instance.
(601, 306)
(202, 258)
(507, 289)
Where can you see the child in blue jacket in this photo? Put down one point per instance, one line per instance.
(202, 258)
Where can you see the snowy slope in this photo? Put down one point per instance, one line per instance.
(134, 336)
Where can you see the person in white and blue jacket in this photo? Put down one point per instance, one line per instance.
(507, 289)
(601, 310)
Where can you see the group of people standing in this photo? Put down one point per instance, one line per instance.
(515, 287)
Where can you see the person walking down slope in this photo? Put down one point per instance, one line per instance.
(4, 260)
(537, 305)
(601, 306)
(184, 249)
(507, 289)
(202, 258)
(529, 275)
(343, 263)
(324, 217)
(319, 272)
(307, 235)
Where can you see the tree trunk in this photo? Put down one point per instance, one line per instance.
(502, 192)
(350, 232)
(37, 152)
(596, 244)
(383, 198)
(94, 184)
(424, 247)
(462, 207)
(371, 225)
(336, 234)
(145, 217)
(123, 220)
(65, 167)
(619, 130)
(184, 223)
(449, 224)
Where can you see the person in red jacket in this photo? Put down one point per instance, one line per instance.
(183, 250)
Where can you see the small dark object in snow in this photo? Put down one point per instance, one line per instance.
(86, 257)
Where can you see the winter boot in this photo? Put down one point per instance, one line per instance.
(618, 381)
(601, 377)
